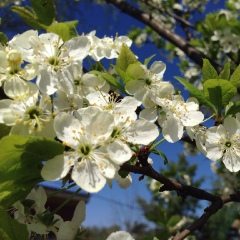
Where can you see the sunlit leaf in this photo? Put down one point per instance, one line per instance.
(10, 229)
(61, 29)
(208, 71)
(28, 17)
(235, 78)
(126, 57)
(45, 11)
(195, 92)
(20, 165)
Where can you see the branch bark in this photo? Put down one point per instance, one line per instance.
(184, 191)
(172, 37)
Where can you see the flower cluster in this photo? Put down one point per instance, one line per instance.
(41, 221)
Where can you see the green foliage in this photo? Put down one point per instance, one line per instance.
(20, 165)
(235, 78)
(4, 130)
(10, 229)
(110, 79)
(161, 154)
(61, 29)
(29, 17)
(219, 92)
(44, 10)
(208, 71)
(147, 60)
(125, 58)
(225, 73)
(232, 108)
(195, 92)
(3, 38)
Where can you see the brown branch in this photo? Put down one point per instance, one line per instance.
(170, 184)
(183, 190)
(176, 17)
(208, 212)
(172, 37)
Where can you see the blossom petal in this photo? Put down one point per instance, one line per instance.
(119, 152)
(88, 176)
(56, 168)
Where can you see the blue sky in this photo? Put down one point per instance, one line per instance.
(115, 206)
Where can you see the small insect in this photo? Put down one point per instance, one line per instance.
(44, 4)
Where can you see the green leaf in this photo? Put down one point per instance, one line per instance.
(147, 60)
(121, 73)
(219, 91)
(123, 173)
(126, 57)
(161, 154)
(72, 25)
(10, 229)
(174, 220)
(4, 130)
(20, 165)
(110, 79)
(195, 92)
(235, 78)
(225, 73)
(61, 29)
(45, 11)
(208, 71)
(28, 17)
(233, 109)
(3, 38)
(134, 71)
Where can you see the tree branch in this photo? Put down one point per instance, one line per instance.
(183, 190)
(176, 17)
(172, 37)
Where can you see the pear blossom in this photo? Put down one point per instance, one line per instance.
(14, 77)
(28, 117)
(88, 160)
(143, 79)
(70, 229)
(120, 235)
(176, 115)
(73, 81)
(53, 56)
(110, 102)
(129, 130)
(228, 40)
(31, 212)
(223, 143)
(67, 103)
(151, 109)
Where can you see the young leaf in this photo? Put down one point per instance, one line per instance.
(61, 29)
(45, 11)
(195, 92)
(3, 38)
(225, 73)
(147, 60)
(126, 57)
(219, 90)
(20, 165)
(10, 229)
(161, 154)
(28, 17)
(4, 130)
(110, 79)
(174, 220)
(235, 78)
(233, 109)
(208, 71)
